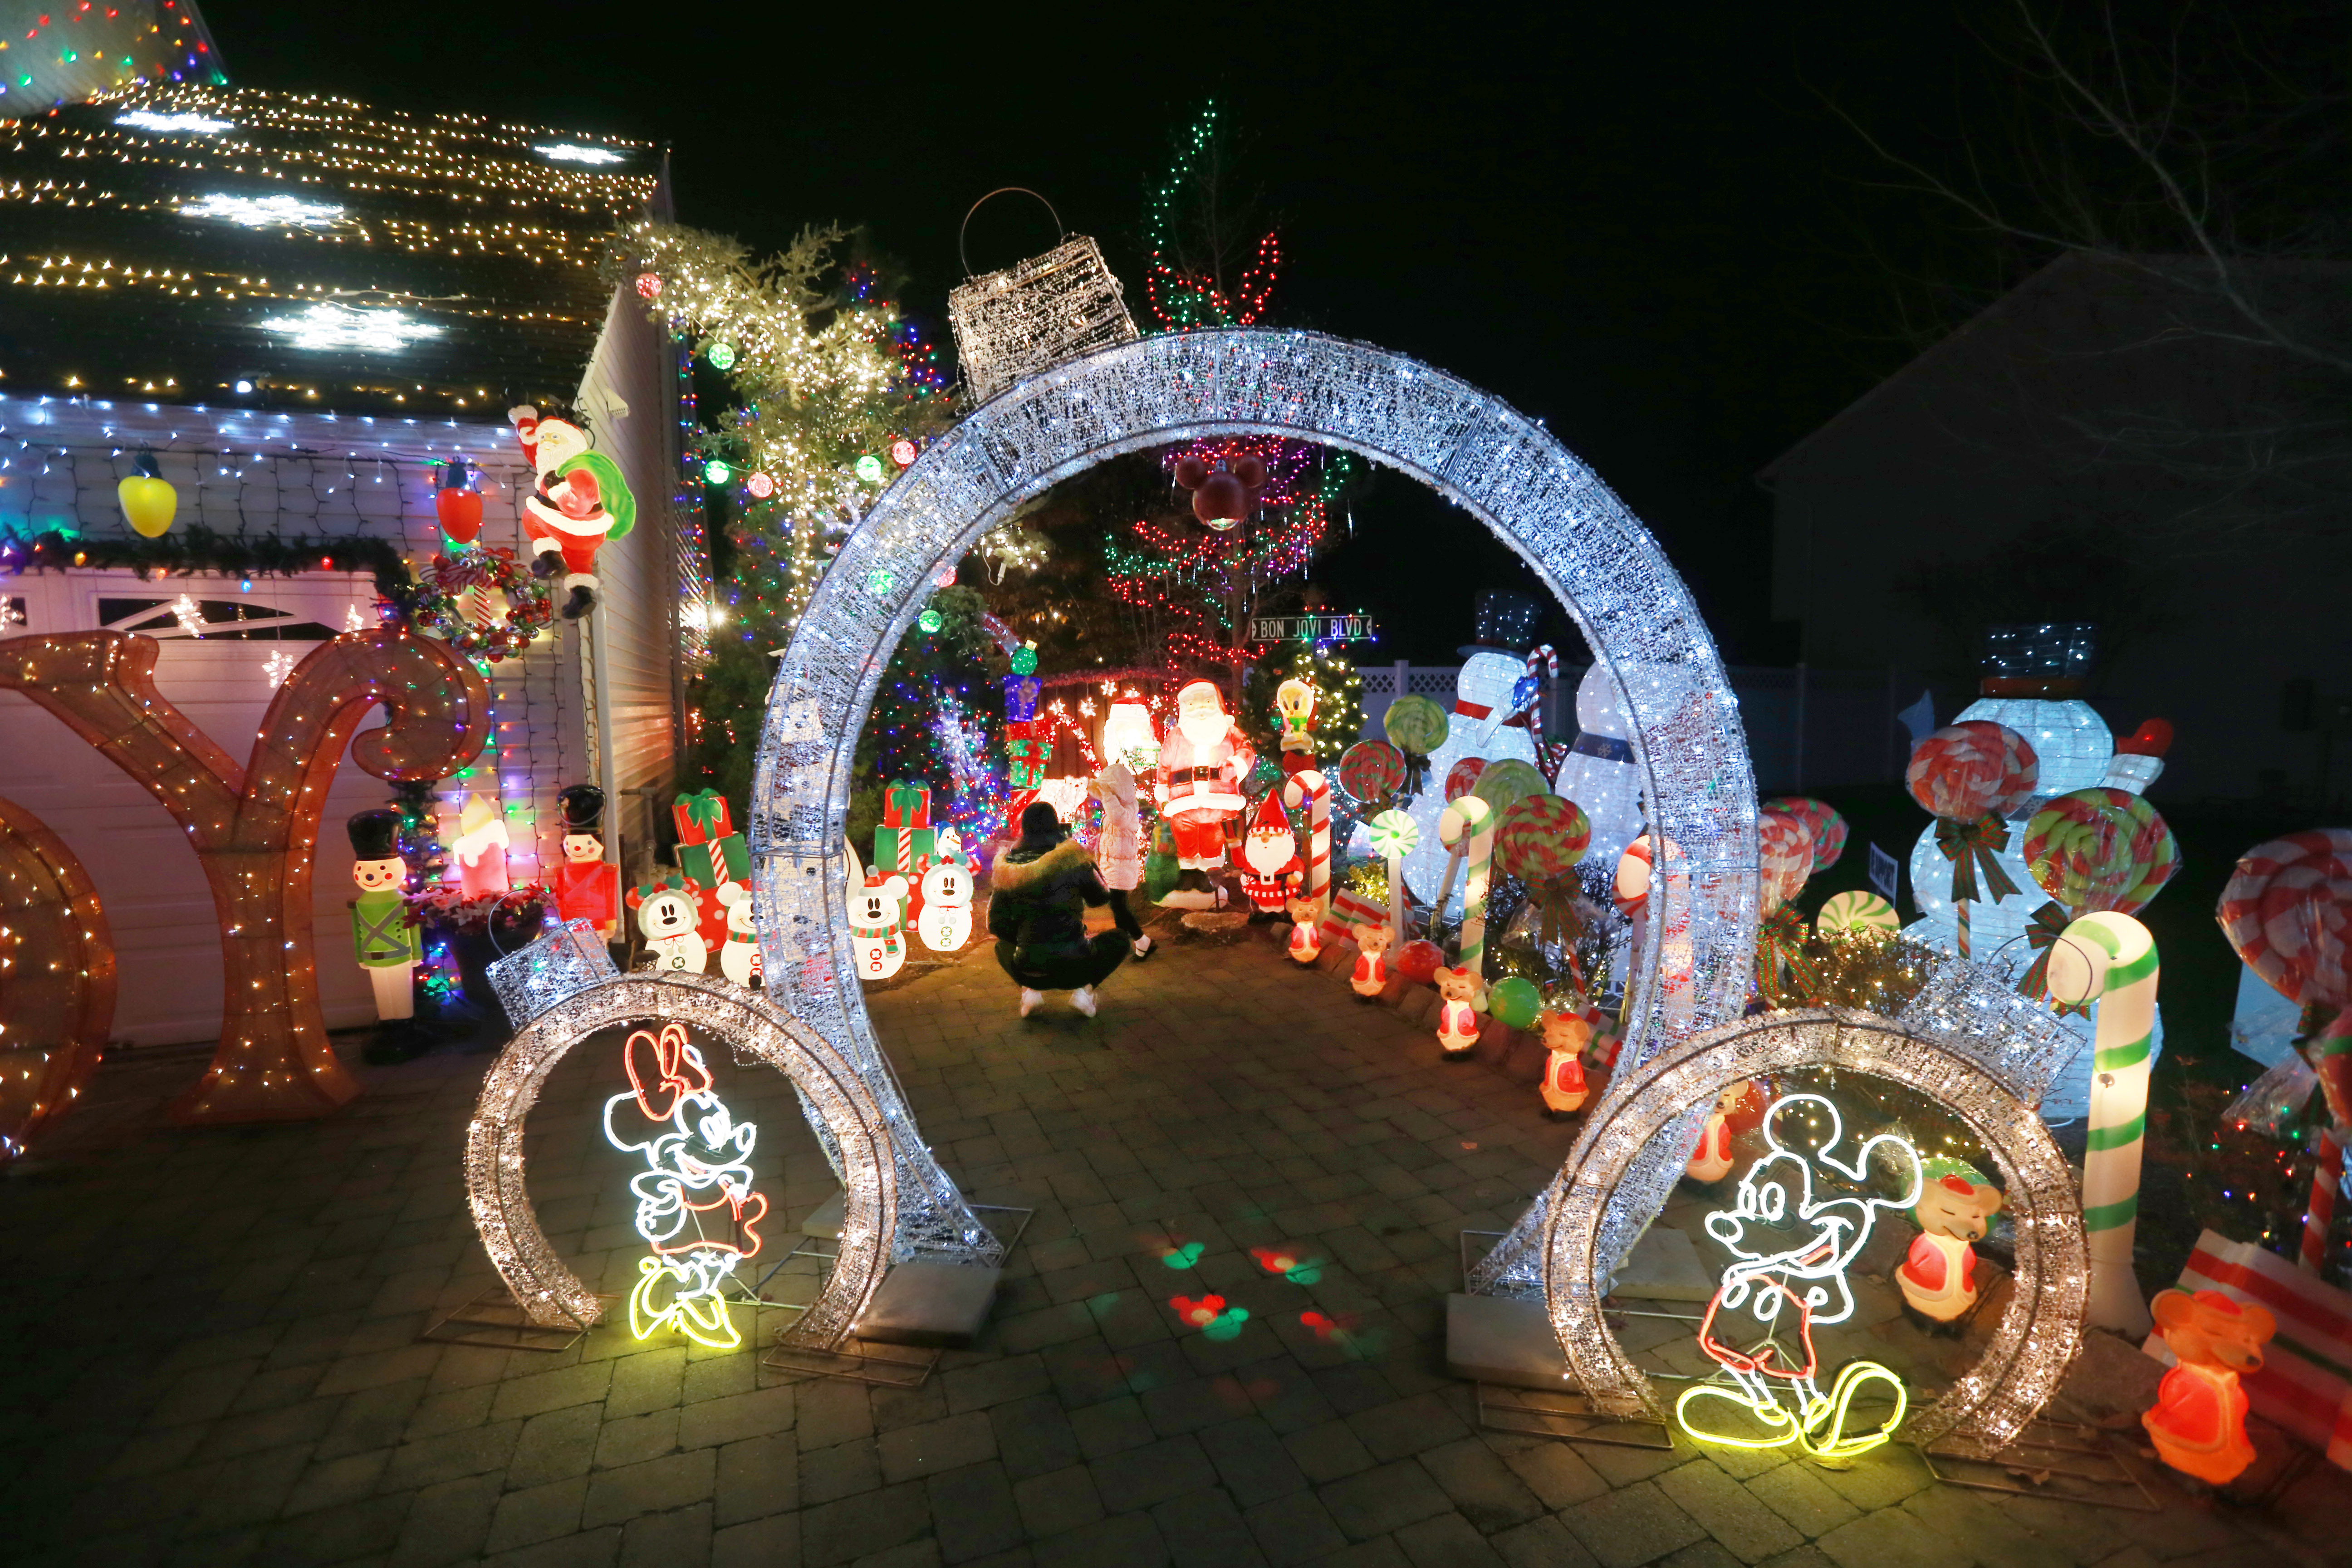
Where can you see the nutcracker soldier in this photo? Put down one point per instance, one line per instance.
(586, 888)
(1202, 762)
(382, 940)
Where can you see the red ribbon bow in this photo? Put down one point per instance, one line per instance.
(1970, 844)
(2043, 927)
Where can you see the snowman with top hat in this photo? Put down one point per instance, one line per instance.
(1493, 697)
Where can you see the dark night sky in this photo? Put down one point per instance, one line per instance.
(1643, 225)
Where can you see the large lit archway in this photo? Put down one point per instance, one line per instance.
(1501, 467)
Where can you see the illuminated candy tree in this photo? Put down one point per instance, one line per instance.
(254, 828)
(696, 1206)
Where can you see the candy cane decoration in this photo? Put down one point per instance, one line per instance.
(2322, 1213)
(1310, 785)
(2112, 958)
(1471, 822)
(1544, 656)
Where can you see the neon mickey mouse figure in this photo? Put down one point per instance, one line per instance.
(1776, 1196)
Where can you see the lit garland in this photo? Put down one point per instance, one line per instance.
(820, 407)
(1181, 299)
(1201, 588)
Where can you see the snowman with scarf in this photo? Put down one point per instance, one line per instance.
(1492, 699)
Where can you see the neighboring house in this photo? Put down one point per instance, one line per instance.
(2125, 401)
(302, 307)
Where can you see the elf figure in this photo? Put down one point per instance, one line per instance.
(1203, 762)
(586, 888)
(1938, 1276)
(480, 848)
(582, 500)
(382, 940)
(1270, 865)
(713, 857)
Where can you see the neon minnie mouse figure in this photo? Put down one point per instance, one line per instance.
(698, 1162)
(1808, 1275)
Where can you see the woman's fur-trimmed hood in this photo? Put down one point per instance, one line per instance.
(1011, 876)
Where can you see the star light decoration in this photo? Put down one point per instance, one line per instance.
(1984, 1409)
(1504, 469)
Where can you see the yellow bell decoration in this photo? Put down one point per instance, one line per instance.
(149, 501)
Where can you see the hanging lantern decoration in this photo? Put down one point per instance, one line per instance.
(148, 500)
(459, 506)
(649, 286)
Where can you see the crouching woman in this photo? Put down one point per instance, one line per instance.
(1039, 891)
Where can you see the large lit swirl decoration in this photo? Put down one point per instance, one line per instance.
(680, 1288)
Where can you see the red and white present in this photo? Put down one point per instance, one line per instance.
(1349, 909)
(2305, 1380)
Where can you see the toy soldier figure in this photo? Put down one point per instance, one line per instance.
(586, 886)
(382, 939)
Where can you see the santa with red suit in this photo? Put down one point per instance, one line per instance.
(1203, 762)
(1270, 863)
(581, 501)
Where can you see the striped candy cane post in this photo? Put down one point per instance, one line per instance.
(1469, 822)
(2112, 958)
(1960, 914)
(1310, 785)
(2316, 1224)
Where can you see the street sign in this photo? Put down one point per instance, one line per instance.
(1312, 629)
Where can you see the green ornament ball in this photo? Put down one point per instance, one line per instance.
(1516, 1001)
(869, 468)
(722, 355)
(930, 620)
(1024, 661)
(1415, 724)
(718, 473)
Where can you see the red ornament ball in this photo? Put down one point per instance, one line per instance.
(1191, 472)
(902, 452)
(1250, 472)
(1219, 502)
(648, 286)
(1419, 962)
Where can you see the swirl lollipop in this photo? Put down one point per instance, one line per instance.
(1540, 841)
(1969, 776)
(2100, 849)
(1463, 777)
(1371, 771)
(1853, 912)
(1828, 827)
(1784, 851)
(1417, 727)
(1505, 783)
(1394, 836)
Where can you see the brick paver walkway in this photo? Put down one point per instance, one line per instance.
(215, 1356)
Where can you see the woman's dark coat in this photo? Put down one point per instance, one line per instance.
(1037, 912)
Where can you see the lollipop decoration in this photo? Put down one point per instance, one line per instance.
(1822, 818)
(1784, 855)
(1852, 913)
(1968, 777)
(1371, 771)
(2100, 849)
(1394, 836)
(2287, 910)
(1416, 727)
(1463, 777)
(1540, 840)
(1505, 783)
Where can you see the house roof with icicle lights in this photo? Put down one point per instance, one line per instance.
(226, 245)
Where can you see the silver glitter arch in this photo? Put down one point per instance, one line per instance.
(836, 1097)
(1477, 452)
(1987, 1083)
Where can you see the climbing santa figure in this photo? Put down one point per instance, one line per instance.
(582, 500)
(1203, 762)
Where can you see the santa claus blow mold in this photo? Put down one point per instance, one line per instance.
(1270, 863)
(1202, 762)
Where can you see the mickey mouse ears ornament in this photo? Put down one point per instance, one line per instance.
(1221, 496)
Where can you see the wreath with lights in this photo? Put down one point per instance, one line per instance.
(448, 581)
